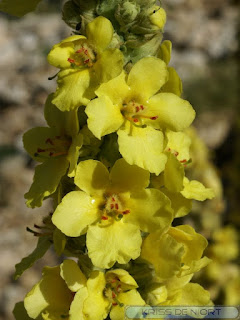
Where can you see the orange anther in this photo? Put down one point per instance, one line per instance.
(40, 150)
(71, 60)
(49, 140)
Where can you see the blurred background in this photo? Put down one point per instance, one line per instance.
(205, 36)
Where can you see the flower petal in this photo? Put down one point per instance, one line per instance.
(194, 295)
(131, 297)
(73, 154)
(79, 210)
(174, 83)
(72, 275)
(50, 294)
(96, 306)
(196, 190)
(150, 210)
(116, 89)
(173, 112)
(147, 76)
(66, 122)
(179, 142)
(36, 138)
(125, 177)
(53, 116)
(194, 243)
(92, 177)
(58, 56)
(165, 51)
(164, 253)
(76, 309)
(173, 174)
(118, 242)
(142, 147)
(175, 283)
(156, 294)
(127, 281)
(109, 65)
(103, 116)
(46, 180)
(99, 33)
(72, 87)
(180, 205)
(195, 266)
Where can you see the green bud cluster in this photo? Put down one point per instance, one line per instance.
(138, 25)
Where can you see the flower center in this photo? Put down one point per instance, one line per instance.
(58, 146)
(84, 56)
(136, 112)
(112, 289)
(113, 208)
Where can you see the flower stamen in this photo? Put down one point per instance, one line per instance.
(59, 147)
(134, 113)
(83, 57)
(113, 208)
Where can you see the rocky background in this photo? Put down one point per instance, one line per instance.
(205, 36)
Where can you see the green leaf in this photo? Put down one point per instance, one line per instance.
(18, 7)
(42, 247)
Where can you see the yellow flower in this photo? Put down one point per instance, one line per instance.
(189, 294)
(173, 182)
(85, 63)
(109, 292)
(57, 147)
(175, 253)
(112, 209)
(130, 106)
(59, 294)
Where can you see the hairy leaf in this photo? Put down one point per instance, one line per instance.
(42, 247)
